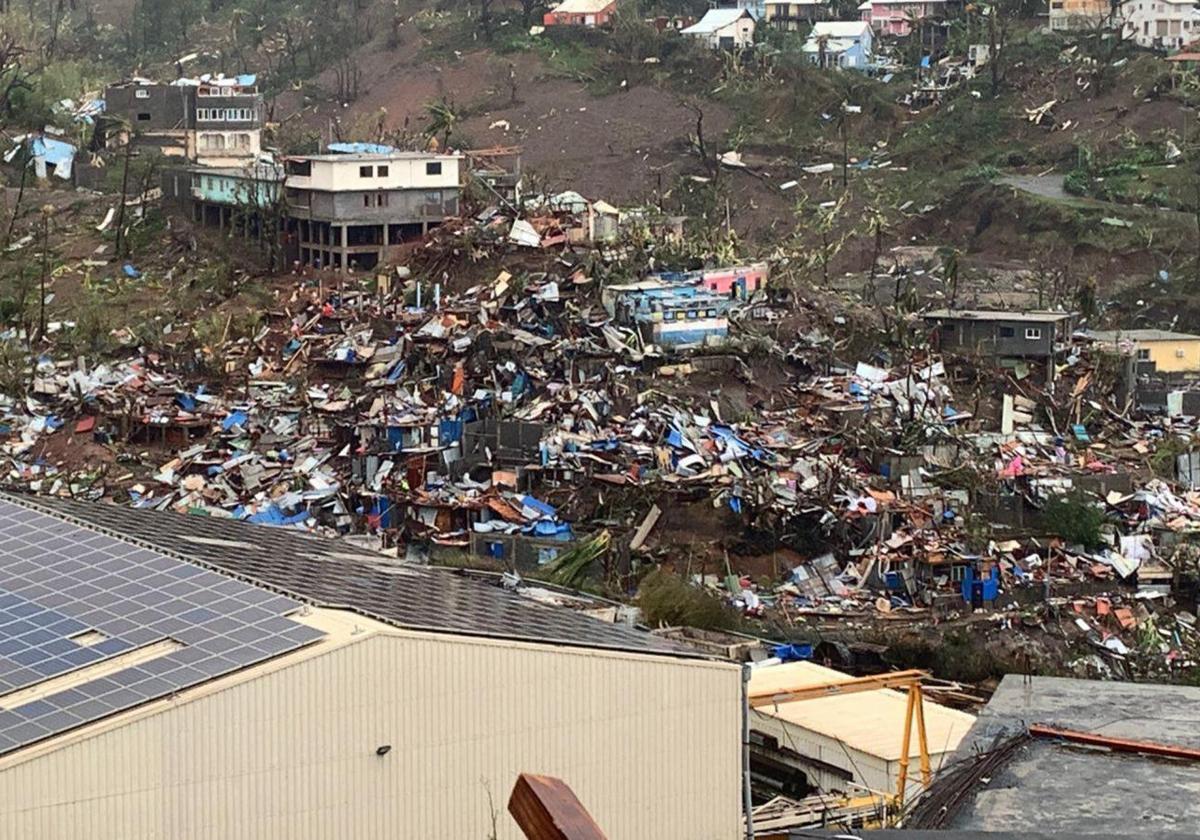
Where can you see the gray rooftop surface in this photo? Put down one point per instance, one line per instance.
(1032, 317)
(1053, 787)
(327, 572)
(1139, 335)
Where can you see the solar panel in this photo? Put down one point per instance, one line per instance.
(59, 581)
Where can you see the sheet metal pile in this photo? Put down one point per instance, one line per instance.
(535, 420)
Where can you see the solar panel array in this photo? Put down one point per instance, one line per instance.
(72, 599)
(333, 572)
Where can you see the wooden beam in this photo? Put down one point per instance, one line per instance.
(896, 679)
(546, 808)
(1043, 730)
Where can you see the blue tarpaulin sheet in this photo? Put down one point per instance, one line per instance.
(792, 653)
(360, 148)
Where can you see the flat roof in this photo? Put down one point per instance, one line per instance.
(1051, 787)
(377, 156)
(1140, 335)
(1033, 316)
(871, 722)
(329, 572)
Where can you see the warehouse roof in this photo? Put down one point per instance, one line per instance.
(92, 625)
(332, 573)
(1051, 787)
(871, 722)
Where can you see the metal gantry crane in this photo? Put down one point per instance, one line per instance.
(910, 681)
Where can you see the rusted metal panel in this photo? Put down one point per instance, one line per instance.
(547, 809)
(1042, 730)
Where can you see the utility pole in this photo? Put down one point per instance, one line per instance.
(124, 191)
(47, 212)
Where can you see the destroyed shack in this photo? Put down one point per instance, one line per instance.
(1023, 342)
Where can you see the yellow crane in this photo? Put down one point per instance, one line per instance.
(909, 681)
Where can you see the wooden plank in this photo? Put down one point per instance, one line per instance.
(546, 808)
(645, 528)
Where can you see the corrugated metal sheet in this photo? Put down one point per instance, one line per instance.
(649, 744)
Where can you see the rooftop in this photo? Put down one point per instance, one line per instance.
(868, 721)
(582, 7)
(1032, 316)
(839, 28)
(375, 156)
(1052, 787)
(1140, 335)
(715, 19)
(92, 625)
(331, 573)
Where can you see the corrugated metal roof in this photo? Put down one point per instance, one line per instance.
(582, 7)
(996, 315)
(871, 722)
(715, 19)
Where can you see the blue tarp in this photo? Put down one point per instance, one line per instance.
(55, 152)
(360, 148)
(792, 653)
(186, 401)
(130, 271)
(274, 516)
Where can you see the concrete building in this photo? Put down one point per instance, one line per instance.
(1074, 15)
(155, 682)
(339, 211)
(214, 121)
(833, 744)
(1015, 340)
(349, 210)
(895, 17)
(1161, 24)
(723, 29)
(1052, 787)
(794, 15)
(1162, 351)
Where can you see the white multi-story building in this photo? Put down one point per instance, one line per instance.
(1161, 24)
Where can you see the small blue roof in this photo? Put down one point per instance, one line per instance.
(361, 148)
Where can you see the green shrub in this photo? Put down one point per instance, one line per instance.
(666, 598)
(1075, 519)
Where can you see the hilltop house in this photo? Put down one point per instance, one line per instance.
(840, 43)
(589, 13)
(793, 15)
(1069, 15)
(215, 121)
(340, 211)
(724, 29)
(895, 17)
(1160, 24)
(1162, 350)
